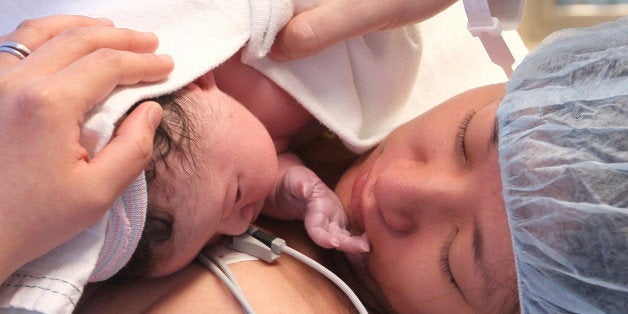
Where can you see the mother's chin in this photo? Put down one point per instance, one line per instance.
(352, 267)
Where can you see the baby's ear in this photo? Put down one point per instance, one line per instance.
(206, 81)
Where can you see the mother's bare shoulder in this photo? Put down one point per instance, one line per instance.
(286, 285)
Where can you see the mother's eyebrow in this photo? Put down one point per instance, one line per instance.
(493, 141)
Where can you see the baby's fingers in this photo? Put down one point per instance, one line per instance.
(344, 241)
(323, 238)
(332, 236)
(353, 244)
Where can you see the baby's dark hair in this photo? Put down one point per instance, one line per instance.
(172, 136)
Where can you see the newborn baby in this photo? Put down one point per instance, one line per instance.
(221, 157)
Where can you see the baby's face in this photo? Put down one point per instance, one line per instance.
(222, 190)
(429, 199)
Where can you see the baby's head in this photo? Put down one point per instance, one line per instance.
(214, 162)
(213, 165)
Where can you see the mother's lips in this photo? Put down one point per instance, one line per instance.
(356, 199)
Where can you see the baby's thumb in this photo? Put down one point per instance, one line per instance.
(129, 152)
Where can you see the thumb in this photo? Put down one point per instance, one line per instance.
(130, 150)
(324, 26)
(334, 21)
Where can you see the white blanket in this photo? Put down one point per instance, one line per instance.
(359, 89)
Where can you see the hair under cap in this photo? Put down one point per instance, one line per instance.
(563, 139)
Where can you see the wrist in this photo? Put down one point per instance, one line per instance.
(8, 262)
(14, 248)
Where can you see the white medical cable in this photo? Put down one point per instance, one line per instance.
(233, 286)
(331, 276)
(268, 247)
(225, 269)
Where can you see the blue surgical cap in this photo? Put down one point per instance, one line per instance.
(563, 139)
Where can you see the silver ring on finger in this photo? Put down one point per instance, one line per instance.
(15, 49)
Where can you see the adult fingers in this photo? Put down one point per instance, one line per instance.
(314, 30)
(334, 21)
(76, 43)
(77, 87)
(115, 167)
(33, 33)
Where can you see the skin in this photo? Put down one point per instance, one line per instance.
(416, 192)
(243, 125)
(413, 167)
(233, 169)
(299, 194)
(50, 189)
(419, 163)
(284, 118)
(313, 30)
(270, 288)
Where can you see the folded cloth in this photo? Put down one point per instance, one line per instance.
(358, 89)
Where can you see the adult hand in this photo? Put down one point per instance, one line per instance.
(334, 21)
(301, 191)
(50, 190)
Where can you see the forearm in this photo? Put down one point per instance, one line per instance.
(7, 260)
(16, 248)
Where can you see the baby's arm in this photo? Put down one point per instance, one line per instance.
(300, 194)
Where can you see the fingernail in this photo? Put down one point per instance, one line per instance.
(366, 244)
(167, 58)
(155, 112)
(150, 35)
(335, 242)
(365, 247)
(278, 54)
(105, 20)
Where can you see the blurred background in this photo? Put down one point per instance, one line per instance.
(542, 17)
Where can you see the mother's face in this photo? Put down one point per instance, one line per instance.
(429, 199)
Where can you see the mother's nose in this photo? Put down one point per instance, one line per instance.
(408, 192)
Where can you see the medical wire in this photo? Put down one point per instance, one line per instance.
(225, 269)
(258, 243)
(233, 286)
(327, 273)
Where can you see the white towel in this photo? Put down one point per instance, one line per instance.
(358, 89)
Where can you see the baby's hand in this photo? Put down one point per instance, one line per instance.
(319, 207)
